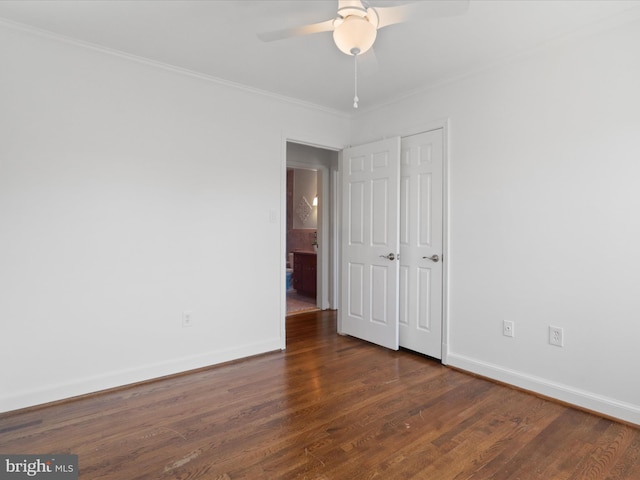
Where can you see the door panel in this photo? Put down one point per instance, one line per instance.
(425, 196)
(356, 213)
(423, 288)
(356, 287)
(380, 213)
(370, 192)
(421, 226)
(380, 291)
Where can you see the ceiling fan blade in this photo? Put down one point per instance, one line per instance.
(326, 26)
(392, 15)
(410, 11)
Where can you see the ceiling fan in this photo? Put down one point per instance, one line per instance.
(357, 23)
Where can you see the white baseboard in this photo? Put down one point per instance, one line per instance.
(83, 386)
(574, 396)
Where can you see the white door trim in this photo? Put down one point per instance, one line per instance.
(312, 141)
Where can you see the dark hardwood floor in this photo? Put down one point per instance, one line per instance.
(329, 407)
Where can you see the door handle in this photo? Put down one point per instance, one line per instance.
(433, 258)
(391, 256)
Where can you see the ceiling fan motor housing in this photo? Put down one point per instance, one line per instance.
(354, 35)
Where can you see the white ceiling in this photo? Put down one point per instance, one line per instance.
(218, 38)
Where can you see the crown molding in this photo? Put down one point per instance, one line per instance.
(167, 67)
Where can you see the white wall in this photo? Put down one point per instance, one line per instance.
(544, 216)
(121, 186)
(124, 201)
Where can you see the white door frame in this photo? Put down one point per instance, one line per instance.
(327, 238)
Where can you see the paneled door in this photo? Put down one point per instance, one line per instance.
(370, 242)
(421, 224)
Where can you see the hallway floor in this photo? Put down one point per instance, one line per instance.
(297, 303)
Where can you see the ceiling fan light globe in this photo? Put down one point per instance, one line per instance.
(354, 34)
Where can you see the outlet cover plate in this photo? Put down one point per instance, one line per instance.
(556, 336)
(508, 328)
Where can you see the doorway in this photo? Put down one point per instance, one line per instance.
(310, 244)
(302, 240)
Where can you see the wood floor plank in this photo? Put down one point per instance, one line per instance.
(329, 407)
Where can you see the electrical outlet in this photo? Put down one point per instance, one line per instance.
(556, 336)
(508, 329)
(187, 319)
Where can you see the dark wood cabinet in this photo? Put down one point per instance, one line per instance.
(305, 273)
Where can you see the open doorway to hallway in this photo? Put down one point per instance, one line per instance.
(310, 249)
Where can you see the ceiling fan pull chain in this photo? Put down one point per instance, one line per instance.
(355, 98)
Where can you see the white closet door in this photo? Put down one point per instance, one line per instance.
(370, 242)
(421, 224)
